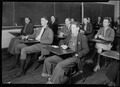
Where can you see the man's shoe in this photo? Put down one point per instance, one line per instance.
(49, 82)
(19, 74)
(11, 68)
(45, 75)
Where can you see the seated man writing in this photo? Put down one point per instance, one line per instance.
(76, 42)
(44, 35)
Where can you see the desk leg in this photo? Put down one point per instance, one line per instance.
(97, 67)
(98, 61)
(105, 61)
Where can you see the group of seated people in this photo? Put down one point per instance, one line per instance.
(76, 39)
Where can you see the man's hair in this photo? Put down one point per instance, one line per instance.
(44, 17)
(68, 19)
(76, 23)
(106, 18)
(85, 18)
(53, 16)
(28, 18)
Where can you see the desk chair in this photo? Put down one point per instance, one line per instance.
(76, 70)
(39, 62)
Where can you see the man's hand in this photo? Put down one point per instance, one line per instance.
(81, 31)
(21, 36)
(25, 37)
(61, 34)
(76, 55)
(96, 36)
(64, 47)
(100, 36)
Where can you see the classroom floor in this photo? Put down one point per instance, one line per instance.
(34, 76)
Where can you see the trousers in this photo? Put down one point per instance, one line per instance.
(61, 67)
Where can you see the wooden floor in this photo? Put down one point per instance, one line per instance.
(34, 76)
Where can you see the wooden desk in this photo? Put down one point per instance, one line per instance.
(118, 35)
(30, 41)
(61, 37)
(59, 51)
(15, 33)
(111, 54)
(100, 41)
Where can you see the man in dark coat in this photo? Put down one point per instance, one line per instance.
(26, 30)
(76, 42)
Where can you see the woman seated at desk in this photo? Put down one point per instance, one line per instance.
(105, 33)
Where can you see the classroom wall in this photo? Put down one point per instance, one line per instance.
(116, 3)
(94, 10)
(14, 12)
(57, 9)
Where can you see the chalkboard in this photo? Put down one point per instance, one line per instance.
(17, 11)
(93, 10)
(61, 11)
(75, 11)
(7, 14)
(14, 12)
(107, 10)
(67, 9)
(34, 10)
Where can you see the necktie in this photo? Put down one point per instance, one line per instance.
(39, 36)
(85, 27)
(24, 28)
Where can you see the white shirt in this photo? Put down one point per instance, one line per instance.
(85, 27)
(39, 36)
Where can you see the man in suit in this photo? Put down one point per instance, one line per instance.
(54, 26)
(44, 35)
(87, 28)
(76, 42)
(98, 23)
(26, 30)
(65, 30)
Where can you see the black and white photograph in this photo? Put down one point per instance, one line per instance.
(60, 42)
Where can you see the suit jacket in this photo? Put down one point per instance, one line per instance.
(54, 27)
(109, 35)
(88, 28)
(47, 36)
(82, 45)
(81, 48)
(65, 30)
(29, 29)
